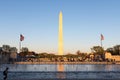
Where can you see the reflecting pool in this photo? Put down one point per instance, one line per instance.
(67, 71)
(60, 67)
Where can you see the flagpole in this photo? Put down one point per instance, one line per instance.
(102, 38)
(101, 43)
(19, 46)
(21, 39)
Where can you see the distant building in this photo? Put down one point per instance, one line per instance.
(112, 57)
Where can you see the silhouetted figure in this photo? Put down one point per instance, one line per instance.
(5, 72)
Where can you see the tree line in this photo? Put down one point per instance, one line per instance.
(95, 50)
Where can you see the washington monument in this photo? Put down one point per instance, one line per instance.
(60, 36)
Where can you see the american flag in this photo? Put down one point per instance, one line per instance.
(102, 37)
(21, 37)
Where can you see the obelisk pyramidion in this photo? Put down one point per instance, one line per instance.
(60, 42)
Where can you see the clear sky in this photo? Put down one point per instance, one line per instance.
(37, 20)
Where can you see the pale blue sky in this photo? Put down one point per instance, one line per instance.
(37, 20)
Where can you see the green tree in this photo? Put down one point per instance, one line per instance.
(43, 55)
(111, 50)
(116, 50)
(13, 50)
(97, 50)
(78, 52)
(24, 52)
(24, 49)
(6, 48)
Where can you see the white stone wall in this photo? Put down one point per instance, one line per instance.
(114, 57)
(108, 55)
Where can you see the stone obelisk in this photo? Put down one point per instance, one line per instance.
(60, 42)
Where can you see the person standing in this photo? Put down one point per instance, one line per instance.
(5, 72)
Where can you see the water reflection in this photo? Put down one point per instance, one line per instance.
(60, 68)
(109, 68)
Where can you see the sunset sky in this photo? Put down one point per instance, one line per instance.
(37, 20)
